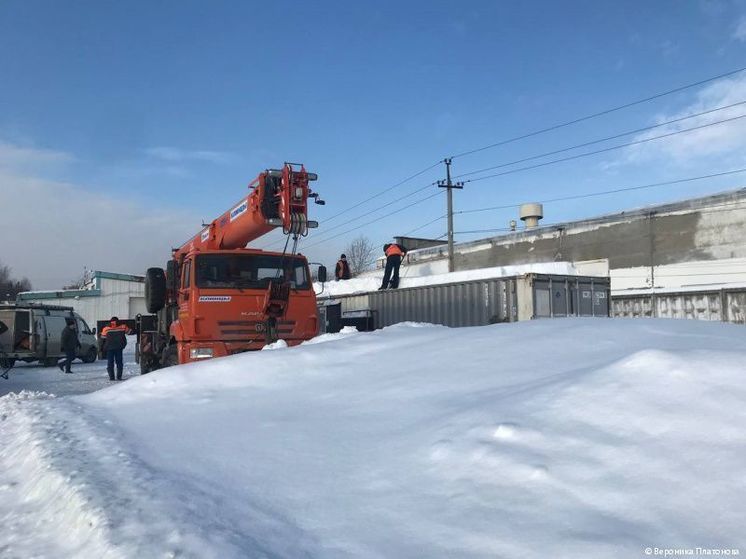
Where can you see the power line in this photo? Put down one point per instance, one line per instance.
(607, 138)
(613, 191)
(600, 113)
(365, 214)
(611, 148)
(419, 173)
(384, 191)
(374, 220)
(425, 225)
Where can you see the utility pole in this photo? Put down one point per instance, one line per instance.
(450, 186)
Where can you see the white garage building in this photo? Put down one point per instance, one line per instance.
(105, 294)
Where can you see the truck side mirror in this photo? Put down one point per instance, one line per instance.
(322, 274)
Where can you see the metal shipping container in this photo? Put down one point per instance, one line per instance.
(727, 305)
(485, 301)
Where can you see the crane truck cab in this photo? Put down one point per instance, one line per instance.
(218, 298)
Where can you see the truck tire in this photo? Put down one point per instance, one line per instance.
(155, 289)
(90, 356)
(48, 361)
(7, 362)
(147, 365)
(170, 356)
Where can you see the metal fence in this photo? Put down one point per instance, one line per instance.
(727, 305)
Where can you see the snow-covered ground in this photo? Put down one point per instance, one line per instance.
(86, 377)
(559, 438)
(372, 281)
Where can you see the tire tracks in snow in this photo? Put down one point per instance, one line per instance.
(70, 489)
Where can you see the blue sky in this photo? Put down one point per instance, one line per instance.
(151, 116)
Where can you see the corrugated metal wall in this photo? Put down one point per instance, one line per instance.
(728, 305)
(480, 302)
(459, 304)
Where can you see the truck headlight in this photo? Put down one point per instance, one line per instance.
(200, 353)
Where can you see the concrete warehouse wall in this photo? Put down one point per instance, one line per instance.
(697, 231)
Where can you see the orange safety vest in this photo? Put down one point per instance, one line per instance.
(394, 250)
(106, 329)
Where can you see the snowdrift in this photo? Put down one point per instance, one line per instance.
(562, 438)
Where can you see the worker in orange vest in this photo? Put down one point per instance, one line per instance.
(394, 254)
(115, 340)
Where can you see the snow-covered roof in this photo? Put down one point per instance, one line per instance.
(373, 282)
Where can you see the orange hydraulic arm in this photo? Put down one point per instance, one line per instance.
(278, 198)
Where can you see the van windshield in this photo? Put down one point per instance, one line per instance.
(249, 271)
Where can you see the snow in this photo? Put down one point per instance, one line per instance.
(373, 282)
(86, 377)
(709, 287)
(556, 438)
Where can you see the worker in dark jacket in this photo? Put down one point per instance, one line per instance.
(342, 271)
(69, 344)
(394, 254)
(115, 340)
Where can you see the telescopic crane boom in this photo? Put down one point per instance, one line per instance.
(278, 198)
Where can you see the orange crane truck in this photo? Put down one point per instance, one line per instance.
(217, 297)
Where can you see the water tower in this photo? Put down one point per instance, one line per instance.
(531, 214)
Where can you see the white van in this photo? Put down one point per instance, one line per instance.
(34, 333)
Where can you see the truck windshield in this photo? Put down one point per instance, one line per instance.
(249, 271)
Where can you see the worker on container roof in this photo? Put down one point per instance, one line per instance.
(394, 253)
(342, 271)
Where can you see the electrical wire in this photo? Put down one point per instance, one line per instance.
(384, 191)
(604, 150)
(598, 114)
(601, 140)
(607, 192)
(318, 242)
(424, 225)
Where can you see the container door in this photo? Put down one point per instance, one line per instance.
(559, 298)
(542, 299)
(586, 301)
(600, 302)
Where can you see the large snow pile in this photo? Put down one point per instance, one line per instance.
(566, 438)
(373, 282)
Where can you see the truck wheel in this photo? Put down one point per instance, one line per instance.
(48, 362)
(145, 366)
(155, 289)
(170, 356)
(90, 356)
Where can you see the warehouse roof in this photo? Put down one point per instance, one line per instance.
(93, 291)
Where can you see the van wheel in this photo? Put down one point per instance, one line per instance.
(90, 356)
